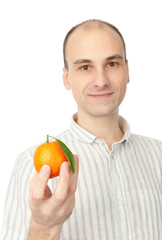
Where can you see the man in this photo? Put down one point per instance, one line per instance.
(117, 193)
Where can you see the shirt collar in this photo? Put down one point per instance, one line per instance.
(125, 127)
(79, 132)
(86, 136)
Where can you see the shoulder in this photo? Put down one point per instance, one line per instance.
(145, 138)
(146, 142)
(65, 134)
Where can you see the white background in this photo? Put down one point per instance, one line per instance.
(33, 101)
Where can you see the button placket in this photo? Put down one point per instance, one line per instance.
(118, 196)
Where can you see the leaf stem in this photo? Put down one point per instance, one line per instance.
(51, 137)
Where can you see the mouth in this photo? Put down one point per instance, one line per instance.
(101, 95)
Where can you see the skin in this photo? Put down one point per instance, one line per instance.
(98, 75)
(49, 211)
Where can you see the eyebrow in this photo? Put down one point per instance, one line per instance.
(80, 61)
(116, 56)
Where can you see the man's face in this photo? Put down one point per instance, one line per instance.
(97, 71)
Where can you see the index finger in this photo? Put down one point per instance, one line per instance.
(67, 182)
(74, 177)
(61, 190)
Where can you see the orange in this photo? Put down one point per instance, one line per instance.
(49, 153)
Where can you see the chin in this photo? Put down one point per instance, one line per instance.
(103, 113)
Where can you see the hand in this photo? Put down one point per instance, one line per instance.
(49, 211)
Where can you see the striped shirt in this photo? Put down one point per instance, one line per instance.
(118, 195)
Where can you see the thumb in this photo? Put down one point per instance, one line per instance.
(41, 181)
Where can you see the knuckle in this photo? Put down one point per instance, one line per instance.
(33, 207)
(63, 213)
(35, 197)
(72, 203)
(72, 189)
(60, 198)
(68, 208)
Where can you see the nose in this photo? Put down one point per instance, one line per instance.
(100, 79)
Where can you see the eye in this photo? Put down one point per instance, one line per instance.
(113, 64)
(85, 67)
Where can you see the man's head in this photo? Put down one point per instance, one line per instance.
(87, 24)
(96, 68)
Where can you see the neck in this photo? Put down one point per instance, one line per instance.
(103, 127)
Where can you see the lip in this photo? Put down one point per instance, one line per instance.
(101, 95)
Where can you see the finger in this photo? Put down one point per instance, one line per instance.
(41, 181)
(69, 202)
(74, 177)
(67, 207)
(61, 190)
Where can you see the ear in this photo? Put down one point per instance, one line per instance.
(128, 79)
(66, 79)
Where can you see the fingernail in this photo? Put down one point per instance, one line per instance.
(45, 169)
(65, 166)
(76, 157)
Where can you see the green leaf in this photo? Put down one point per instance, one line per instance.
(67, 152)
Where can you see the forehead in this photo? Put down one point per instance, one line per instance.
(91, 41)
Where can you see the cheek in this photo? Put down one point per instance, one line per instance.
(120, 84)
(122, 89)
(76, 87)
(78, 83)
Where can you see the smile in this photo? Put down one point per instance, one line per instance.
(101, 95)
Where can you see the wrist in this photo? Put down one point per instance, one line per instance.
(41, 232)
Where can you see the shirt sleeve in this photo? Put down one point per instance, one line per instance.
(16, 212)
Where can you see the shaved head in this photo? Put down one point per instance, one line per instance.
(87, 26)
